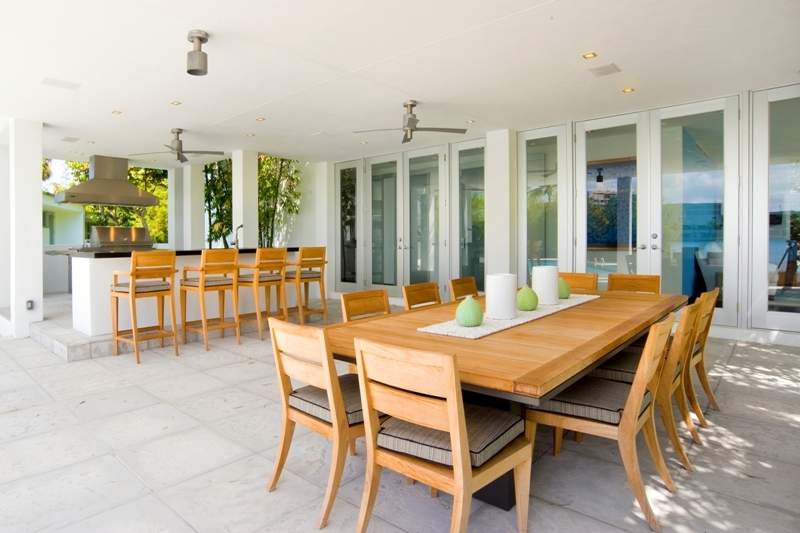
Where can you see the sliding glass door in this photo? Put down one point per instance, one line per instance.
(348, 185)
(612, 185)
(694, 201)
(384, 227)
(545, 201)
(467, 222)
(776, 209)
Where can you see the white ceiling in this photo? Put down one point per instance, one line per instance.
(318, 69)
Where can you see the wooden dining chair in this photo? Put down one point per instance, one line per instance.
(218, 272)
(309, 268)
(151, 275)
(618, 411)
(431, 436)
(708, 303)
(266, 272)
(421, 294)
(328, 404)
(580, 281)
(364, 304)
(634, 283)
(463, 287)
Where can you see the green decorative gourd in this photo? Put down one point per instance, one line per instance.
(527, 299)
(469, 313)
(564, 290)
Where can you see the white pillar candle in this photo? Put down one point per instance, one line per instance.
(501, 291)
(545, 283)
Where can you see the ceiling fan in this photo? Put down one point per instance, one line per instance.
(410, 122)
(176, 147)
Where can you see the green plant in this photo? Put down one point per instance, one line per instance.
(278, 197)
(219, 201)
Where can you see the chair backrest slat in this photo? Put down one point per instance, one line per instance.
(680, 349)
(219, 261)
(152, 264)
(463, 287)
(415, 371)
(634, 283)
(708, 303)
(415, 408)
(582, 281)
(271, 260)
(420, 294)
(364, 304)
(311, 257)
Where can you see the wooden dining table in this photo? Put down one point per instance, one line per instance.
(524, 364)
(528, 362)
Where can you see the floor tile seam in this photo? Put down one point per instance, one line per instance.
(149, 440)
(101, 511)
(238, 458)
(109, 453)
(568, 508)
(73, 410)
(763, 505)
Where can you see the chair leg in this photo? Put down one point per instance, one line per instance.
(651, 438)
(665, 408)
(134, 328)
(172, 322)
(236, 316)
(558, 438)
(700, 368)
(692, 397)
(183, 315)
(627, 451)
(282, 296)
(680, 396)
(578, 436)
(287, 430)
(372, 481)
(352, 447)
(221, 305)
(323, 296)
(306, 296)
(522, 487)
(114, 325)
(257, 305)
(462, 501)
(160, 314)
(338, 459)
(300, 309)
(203, 317)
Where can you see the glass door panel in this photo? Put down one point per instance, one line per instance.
(384, 222)
(697, 200)
(468, 211)
(422, 240)
(348, 179)
(776, 208)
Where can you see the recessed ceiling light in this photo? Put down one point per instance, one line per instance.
(470, 121)
(90, 142)
(251, 134)
(589, 55)
(628, 90)
(175, 102)
(364, 142)
(260, 119)
(116, 112)
(316, 133)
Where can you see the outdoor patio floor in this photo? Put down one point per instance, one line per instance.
(187, 444)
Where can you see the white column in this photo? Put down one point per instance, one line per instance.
(5, 241)
(25, 228)
(175, 208)
(194, 208)
(245, 196)
(500, 202)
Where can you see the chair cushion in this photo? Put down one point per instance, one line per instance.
(489, 430)
(621, 367)
(314, 401)
(211, 281)
(593, 398)
(262, 276)
(142, 286)
(304, 274)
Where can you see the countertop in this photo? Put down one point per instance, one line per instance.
(111, 255)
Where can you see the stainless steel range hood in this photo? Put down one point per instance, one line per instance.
(108, 185)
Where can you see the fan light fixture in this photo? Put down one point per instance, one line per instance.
(628, 90)
(599, 175)
(589, 55)
(196, 59)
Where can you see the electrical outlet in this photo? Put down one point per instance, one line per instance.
(29, 305)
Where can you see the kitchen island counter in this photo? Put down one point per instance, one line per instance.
(99, 254)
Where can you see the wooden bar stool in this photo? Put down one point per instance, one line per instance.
(309, 268)
(218, 272)
(266, 272)
(152, 275)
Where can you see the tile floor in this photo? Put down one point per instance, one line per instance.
(186, 444)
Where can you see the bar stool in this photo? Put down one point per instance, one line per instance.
(218, 272)
(266, 272)
(310, 268)
(152, 275)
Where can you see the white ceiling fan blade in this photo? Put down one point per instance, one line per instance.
(407, 134)
(203, 152)
(182, 158)
(443, 130)
(378, 129)
(168, 147)
(148, 153)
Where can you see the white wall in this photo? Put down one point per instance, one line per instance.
(501, 201)
(5, 220)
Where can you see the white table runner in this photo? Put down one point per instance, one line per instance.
(489, 326)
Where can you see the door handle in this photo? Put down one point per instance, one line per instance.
(654, 246)
(643, 247)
